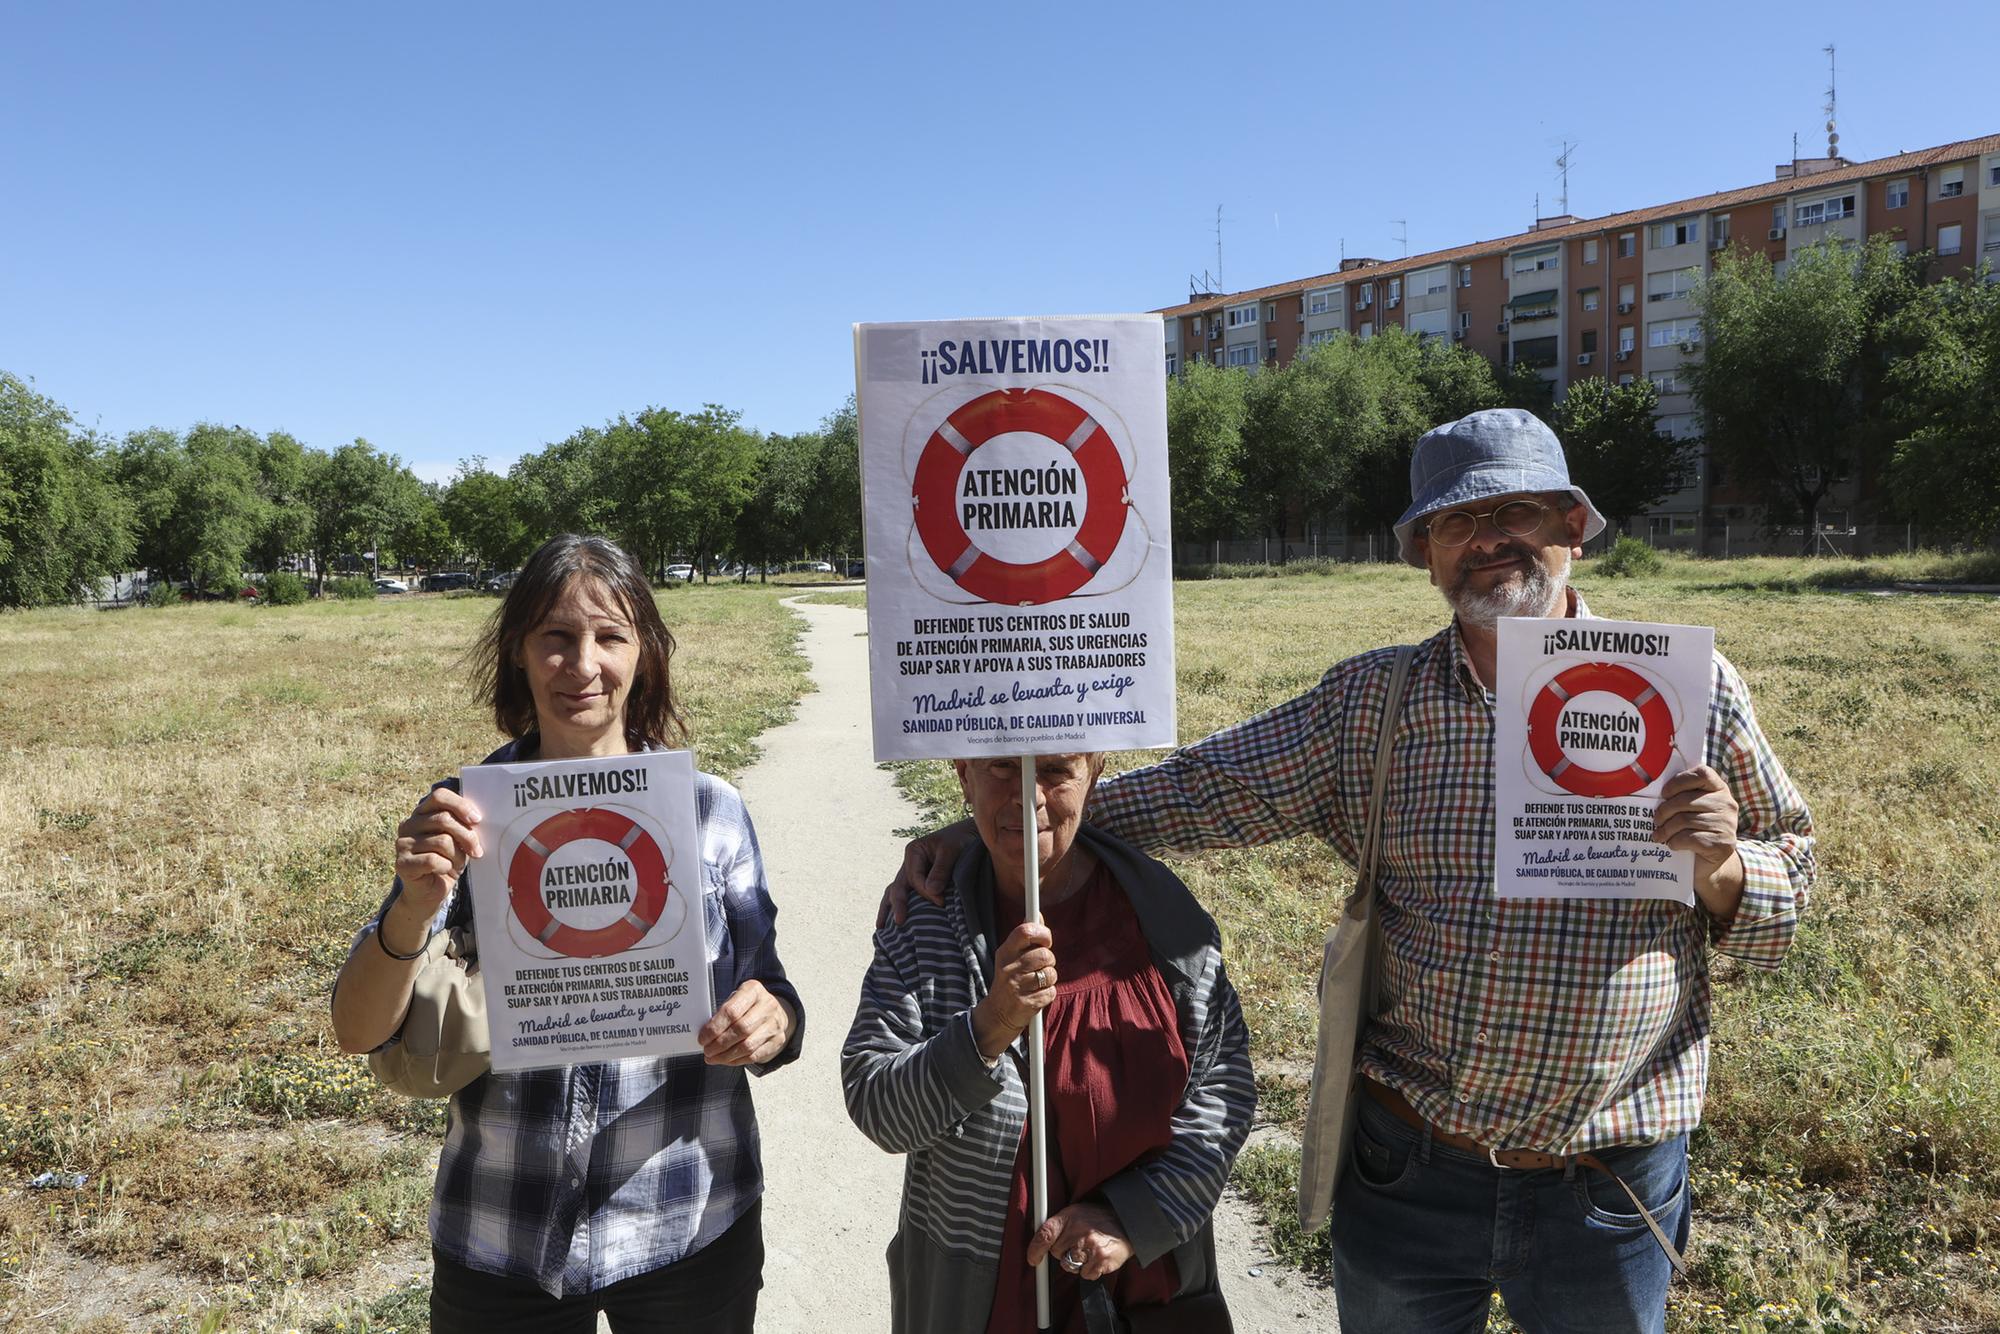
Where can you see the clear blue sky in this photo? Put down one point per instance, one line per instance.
(471, 230)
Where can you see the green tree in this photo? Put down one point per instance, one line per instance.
(566, 488)
(359, 497)
(64, 525)
(771, 524)
(198, 501)
(1205, 410)
(1945, 469)
(1412, 384)
(831, 523)
(1617, 453)
(423, 537)
(281, 476)
(483, 511)
(1791, 382)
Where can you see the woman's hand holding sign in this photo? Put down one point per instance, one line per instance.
(432, 847)
(749, 1028)
(1698, 814)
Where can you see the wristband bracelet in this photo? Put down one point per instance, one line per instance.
(418, 953)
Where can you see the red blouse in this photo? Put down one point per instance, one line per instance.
(1115, 1071)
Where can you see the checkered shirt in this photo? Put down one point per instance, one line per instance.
(1555, 1024)
(579, 1176)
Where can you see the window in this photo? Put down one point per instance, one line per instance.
(1896, 194)
(1464, 320)
(1590, 298)
(1670, 525)
(1364, 296)
(1217, 355)
(1323, 302)
(1215, 328)
(1271, 313)
(1949, 239)
(1537, 352)
(1992, 233)
(1430, 282)
(1243, 354)
(1667, 382)
(1718, 232)
(1901, 249)
(1589, 341)
(1627, 244)
(1677, 425)
(1533, 261)
(1395, 289)
(1673, 285)
(1271, 350)
(1367, 329)
(1777, 221)
(1625, 377)
(1590, 250)
(1625, 340)
(1173, 363)
(1951, 182)
(1830, 209)
(1465, 275)
(1626, 296)
(1664, 234)
(1241, 316)
(1318, 336)
(1993, 172)
(1672, 333)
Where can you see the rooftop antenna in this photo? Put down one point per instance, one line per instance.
(1403, 230)
(1562, 165)
(1218, 245)
(1832, 134)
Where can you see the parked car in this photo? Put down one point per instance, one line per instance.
(814, 567)
(684, 573)
(857, 569)
(391, 586)
(502, 581)
(446, 580)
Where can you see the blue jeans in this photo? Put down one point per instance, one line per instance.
(1423, 1234)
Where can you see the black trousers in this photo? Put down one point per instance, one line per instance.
(713, 1291)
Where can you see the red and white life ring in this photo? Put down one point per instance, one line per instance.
(1629, 686)
(934, 496)
(524, 882)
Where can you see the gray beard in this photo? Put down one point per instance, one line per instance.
(1534, 594)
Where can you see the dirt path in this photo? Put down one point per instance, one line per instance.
(825, 818)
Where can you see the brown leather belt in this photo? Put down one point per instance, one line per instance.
(1514, 1160)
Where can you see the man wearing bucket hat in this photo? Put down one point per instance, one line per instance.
(1533, 1066)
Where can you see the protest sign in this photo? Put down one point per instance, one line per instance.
(1014, 478)
(592, 938)
(1592, 718)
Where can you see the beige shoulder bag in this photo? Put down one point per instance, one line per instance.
(1347, 991)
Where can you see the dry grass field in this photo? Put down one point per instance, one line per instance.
(195, 813)
(1848, 1176)
(195, 806)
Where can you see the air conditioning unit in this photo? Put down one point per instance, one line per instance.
(1394, 302)
(1458, 335)
(1624, 307)
(1624, 354)
(1775, 234)
(1689, 347)
(1502, 327)
(1583, 358)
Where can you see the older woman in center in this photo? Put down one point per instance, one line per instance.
(1148, 1073)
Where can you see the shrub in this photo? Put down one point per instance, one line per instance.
(1629, 557)
(284, 590)
(352, 587)
(162, 594)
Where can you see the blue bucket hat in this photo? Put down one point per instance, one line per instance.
(1498, 452)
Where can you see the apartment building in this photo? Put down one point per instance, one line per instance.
(1612, 296)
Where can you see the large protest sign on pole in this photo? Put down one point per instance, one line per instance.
(1593, 717)
(592, 937)
(1020, 594)
(1014, 478)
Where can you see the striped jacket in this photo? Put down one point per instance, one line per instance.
(916, 1085)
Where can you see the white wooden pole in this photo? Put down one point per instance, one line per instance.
(1038, 1136)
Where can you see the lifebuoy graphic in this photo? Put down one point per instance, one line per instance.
(1654, 754)
(524, 882)
(934, 496)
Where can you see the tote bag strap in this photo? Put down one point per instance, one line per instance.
(1361, 902)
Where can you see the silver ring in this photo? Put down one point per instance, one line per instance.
(1073, 1262)
(1041, 978)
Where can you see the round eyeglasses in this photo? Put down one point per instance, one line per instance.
(1516, 518)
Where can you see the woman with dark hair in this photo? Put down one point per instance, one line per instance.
(627, 1187)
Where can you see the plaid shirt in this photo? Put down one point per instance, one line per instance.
(1555, 1024)
(579, 1176)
